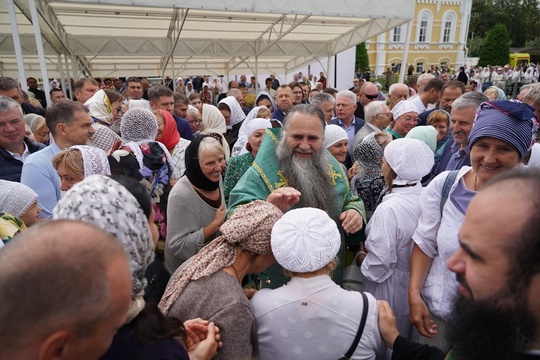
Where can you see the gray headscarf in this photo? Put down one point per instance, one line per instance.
(138, 125)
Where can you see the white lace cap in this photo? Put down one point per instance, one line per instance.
(94, 160)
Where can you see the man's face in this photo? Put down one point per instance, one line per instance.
(444, 76)
(117, 84)
(434, 96)
(305, 92)
(243, 78)
(14, 93)
(134, 90)
(194, 122)
(164, 103)
(180, 109)
(304, 135)
(297, 94)
(32, 83)
(80, 131)
(11, 129)
(369, 94)
(447, 98)
(329, 110)
(87, 91)
(57, 96)
(284, 99)
(345, 108)
(108, 83)
(461, 122)
(269, 84)
(234, 85)
(400, 93)
(244, 91)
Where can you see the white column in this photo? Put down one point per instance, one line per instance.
(381, 60)
(17, 44)
(41, 52)
(405, 52)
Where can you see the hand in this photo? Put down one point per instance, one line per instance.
(219, 218)
(284, 198)
(203, 339)
(353, 171)
(351, 221)
(250, 292)
(387, 323)
(419, 315)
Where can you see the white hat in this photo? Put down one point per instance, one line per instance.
(16, 198)
(333, 134)
(258, 124)
(411, 160)
(403, 107)
(305, 240)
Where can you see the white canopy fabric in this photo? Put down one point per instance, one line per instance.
(174, 37)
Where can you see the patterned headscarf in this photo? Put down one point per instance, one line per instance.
(237, 115)
(138, 125)
(105, 203)
(100, 107)
(16, 198)
(94, 160)
(170, 136)
(369, 154)
(249, 227)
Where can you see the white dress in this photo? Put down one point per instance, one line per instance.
(389, 243)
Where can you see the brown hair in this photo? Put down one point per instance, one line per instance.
(437, 117)
(264, 113)
(72, 160)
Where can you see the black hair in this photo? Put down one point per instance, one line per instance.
(138, 191)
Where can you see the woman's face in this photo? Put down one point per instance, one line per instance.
(265, 102)
(491, 157)
(442, 130)
(161, 127)
(116, 109)
(67, 179)
(153, 227)
(227, 115)
(212, 166)
(255, 140)
(42, 134)
(339, 150)
(197, 103)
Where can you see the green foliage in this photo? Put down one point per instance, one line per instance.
(474, 46)
(496, 47)
(533, 44)
(362, 59)
(521, 18)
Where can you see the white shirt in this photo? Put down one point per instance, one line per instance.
(313, 318)
(21, 157)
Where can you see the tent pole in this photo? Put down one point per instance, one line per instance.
(405, 53)
(41, 52)
(67, 81)
(17, 44)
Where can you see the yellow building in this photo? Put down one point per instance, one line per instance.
(438, 37)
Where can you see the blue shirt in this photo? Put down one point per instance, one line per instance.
(457, 156)
(351, 132)
(39, 175)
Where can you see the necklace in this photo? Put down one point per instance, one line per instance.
(475, 177)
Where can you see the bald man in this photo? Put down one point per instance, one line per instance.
(368, 92)
(65, 289)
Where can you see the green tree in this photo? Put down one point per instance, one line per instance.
(496, 47)
(474, 46)
(362, 59)
(533, 44)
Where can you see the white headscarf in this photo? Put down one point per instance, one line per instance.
(94, 160)
(239, 146)
(237, 115)
(410, 159)
(332, 134)
(214, 122)
(100, 107)
(16, 198)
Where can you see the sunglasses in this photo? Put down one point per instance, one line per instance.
(371, 97)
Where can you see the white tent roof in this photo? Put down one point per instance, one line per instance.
(174, 37)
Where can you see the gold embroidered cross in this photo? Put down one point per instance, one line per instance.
(334, 175)
(283, 181)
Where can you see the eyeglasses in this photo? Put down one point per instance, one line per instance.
(371, 97)
(410, 119)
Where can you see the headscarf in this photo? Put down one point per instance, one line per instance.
(332, 134)
(510, 121)
(403, 107)
(94, 160)
(534, 160)
(258, 124)
(264, 94)
(189, 92)
(239, 146)
(214, 122)
(249, 227)
(138, 104)
(170, 136)
(16, 198)
(411, 160)
(305, 240)
(138, 125)
(369, 154)
(193, 168)
(426, 134)
(107, 204)
(237, 115)
(10, 226)
(100, 107)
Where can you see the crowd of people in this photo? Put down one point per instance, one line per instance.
(212, 221)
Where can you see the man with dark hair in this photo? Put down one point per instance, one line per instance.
(38, 93)
(15, 147)
(269, 82)
(70, 124)
(118, 84)
(134, 90)
(65, 288)
(292, 167)
(496, 315)
(85, 88)
(57, 95)
(450, 91)
(10, 87)
(162, 98)
(429, 94)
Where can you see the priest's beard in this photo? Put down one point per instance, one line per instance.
(309, 176)
(496, 328)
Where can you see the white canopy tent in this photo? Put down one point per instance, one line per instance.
(185, 37)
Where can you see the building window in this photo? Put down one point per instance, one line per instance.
(419, 67)
(397, 34)
(447, 35)
(396, 67)
(446, 32)
(423, 28)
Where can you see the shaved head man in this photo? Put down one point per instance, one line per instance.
(396, 93)
(65, 289)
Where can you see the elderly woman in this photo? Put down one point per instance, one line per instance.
(78, 162)
(169, 136)
(213, 122)
(369, 183)
(196, 202)
(234, 116)
(501, 136)
(238, 165)
(390, 229)
(147, 333)
(209, 285)
(38, 127)
(105, 107)
(20, 201)
(337, 142)
(311, 317)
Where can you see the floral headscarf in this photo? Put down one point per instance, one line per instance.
(100, 107)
